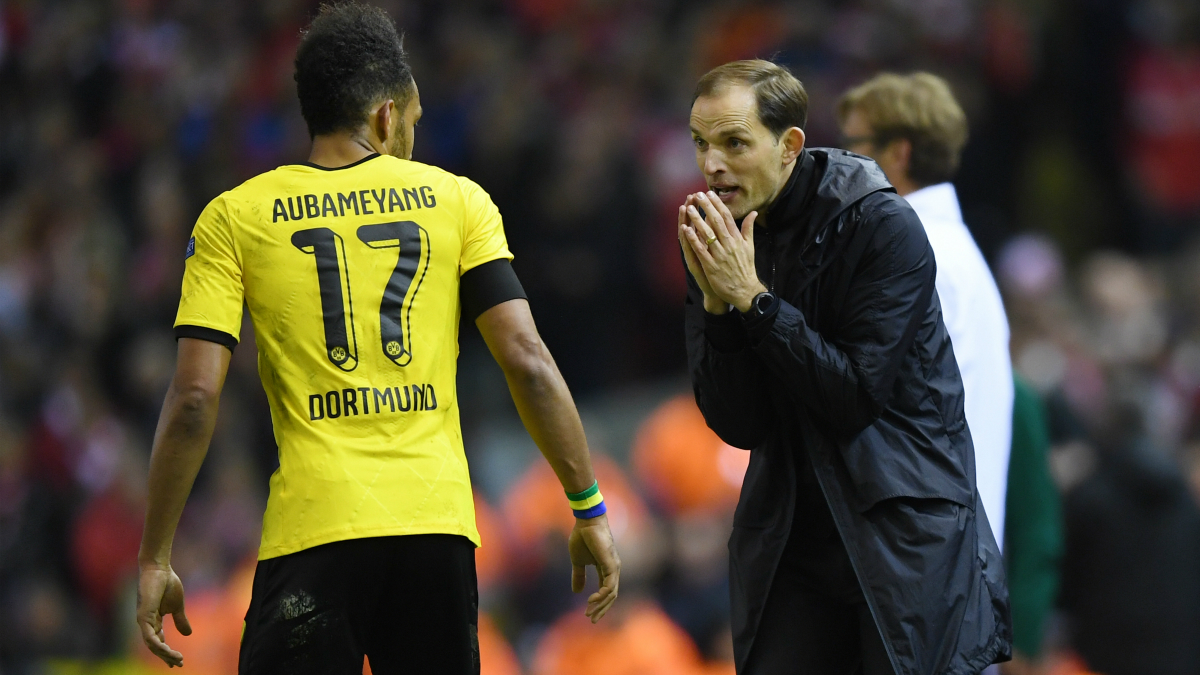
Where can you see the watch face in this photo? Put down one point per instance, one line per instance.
(761, 302)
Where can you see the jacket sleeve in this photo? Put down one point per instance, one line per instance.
(727, 377)
(847, 378)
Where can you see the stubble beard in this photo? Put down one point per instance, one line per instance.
(399, 145)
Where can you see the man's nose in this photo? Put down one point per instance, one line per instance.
(713, 163)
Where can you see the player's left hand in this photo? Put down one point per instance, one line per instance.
(160, 592)
(591, 543)
(725, 252)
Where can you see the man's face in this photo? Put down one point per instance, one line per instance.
(742, 161)
(403, 127)
(858, 137)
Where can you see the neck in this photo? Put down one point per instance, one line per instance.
(341, 149)
(787, 175)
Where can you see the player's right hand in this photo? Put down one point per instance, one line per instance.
(160, 592)
(591, 543)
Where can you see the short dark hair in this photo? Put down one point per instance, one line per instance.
(349, 57)
(919, 107)
(782, 101)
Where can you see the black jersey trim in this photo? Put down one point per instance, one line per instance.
(202, 333)
(339, 168)
(482, 288)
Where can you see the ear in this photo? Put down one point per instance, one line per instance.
(792, 141)
(381, 121)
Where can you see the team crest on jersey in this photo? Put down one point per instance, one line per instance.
(191, 249)
(337, 354)
(393, 348)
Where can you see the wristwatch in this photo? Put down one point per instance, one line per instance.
(762, 304)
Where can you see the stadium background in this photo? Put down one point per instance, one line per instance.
(119, 120)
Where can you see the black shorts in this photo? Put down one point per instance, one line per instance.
(410, 604)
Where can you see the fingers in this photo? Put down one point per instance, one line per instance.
(600, 601)
(689, 255)
(718, 215)
(153, 637)
(748, 226)
(700, 249)
(181, 622)
(608, 568)
(704, 240)
(578, 578)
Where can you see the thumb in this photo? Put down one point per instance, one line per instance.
(578, 578)
(748, 225)
(181, 622)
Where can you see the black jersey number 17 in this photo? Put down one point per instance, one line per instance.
(337, 304)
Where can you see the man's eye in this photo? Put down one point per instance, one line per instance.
(735, 143)
(699, 142)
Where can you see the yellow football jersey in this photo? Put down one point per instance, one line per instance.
(351, 277)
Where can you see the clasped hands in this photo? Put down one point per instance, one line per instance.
(719, 255)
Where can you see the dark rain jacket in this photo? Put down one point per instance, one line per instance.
(855, 374)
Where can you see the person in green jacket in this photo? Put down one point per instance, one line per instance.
(1033, 530)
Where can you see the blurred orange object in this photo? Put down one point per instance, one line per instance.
(536, 505)
(684, 464)
(492, 557)
(217, 617)
(1066, 663)
(636, 640)
(495, 656)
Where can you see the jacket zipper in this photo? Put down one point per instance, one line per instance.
(771, 252)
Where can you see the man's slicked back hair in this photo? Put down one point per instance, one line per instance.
(782, 100)
(350, 57)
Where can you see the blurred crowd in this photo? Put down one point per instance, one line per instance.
(120, 119)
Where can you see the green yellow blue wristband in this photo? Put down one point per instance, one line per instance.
(589, 503)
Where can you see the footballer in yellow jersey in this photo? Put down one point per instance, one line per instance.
(355, 268)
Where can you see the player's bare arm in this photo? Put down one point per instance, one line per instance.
(550, 416)
(185, 427)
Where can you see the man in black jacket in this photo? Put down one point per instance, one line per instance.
(815, 340)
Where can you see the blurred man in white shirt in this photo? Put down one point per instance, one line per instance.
(913, 127)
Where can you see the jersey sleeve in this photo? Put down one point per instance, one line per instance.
(210, 305)
(483, 239)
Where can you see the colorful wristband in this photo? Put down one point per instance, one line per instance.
(597, 510)
(576, 496)
(589, 503)
(584, 504)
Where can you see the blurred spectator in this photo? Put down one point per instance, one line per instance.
(1033, 530)
(684, 465)
(694, 478)
(1131, 571)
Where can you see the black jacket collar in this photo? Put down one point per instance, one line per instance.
(825, 182)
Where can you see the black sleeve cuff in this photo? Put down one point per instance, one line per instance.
(210, 334)
(725, 331)
(757, 327)
(482, 288)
